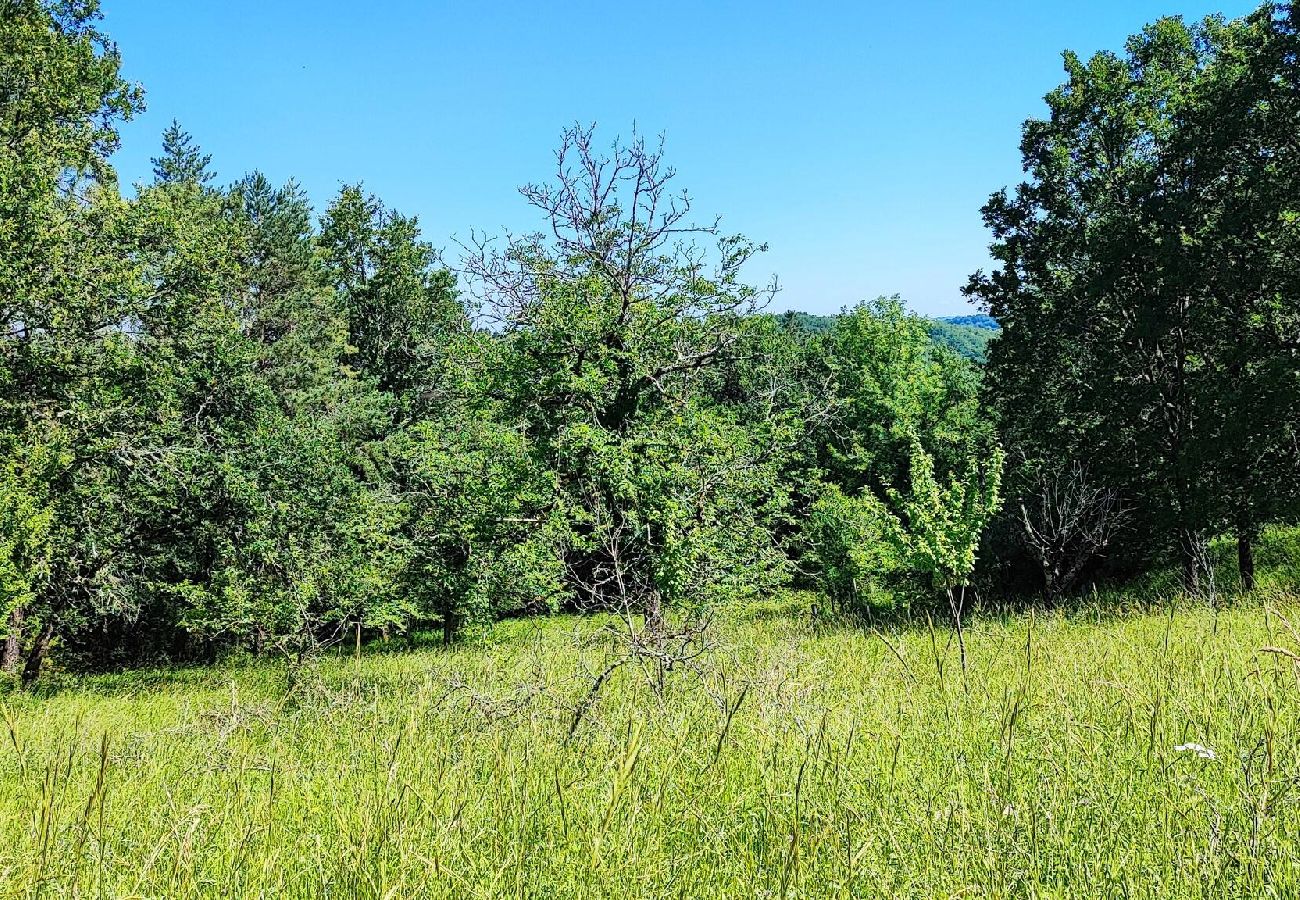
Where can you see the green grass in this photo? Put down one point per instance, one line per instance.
(856, 764)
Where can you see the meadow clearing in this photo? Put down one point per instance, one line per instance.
(1098, 753)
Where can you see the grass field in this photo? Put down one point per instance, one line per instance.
(1150, 755)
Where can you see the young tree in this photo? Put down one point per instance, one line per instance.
(938, 526)
(888, 389)
(850, 547)
(476, 542)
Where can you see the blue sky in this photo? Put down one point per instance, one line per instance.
(858, 139)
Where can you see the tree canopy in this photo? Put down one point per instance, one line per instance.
(231, 424)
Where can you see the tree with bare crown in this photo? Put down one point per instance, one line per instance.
(615, 322)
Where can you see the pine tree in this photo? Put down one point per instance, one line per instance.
(182, 160)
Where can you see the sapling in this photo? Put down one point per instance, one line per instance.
(938, 526)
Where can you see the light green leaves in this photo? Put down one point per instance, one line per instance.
(938, 523)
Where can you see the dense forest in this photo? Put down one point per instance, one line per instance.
(232, 423)
(968, 336)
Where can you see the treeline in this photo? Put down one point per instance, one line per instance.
(967, 336)
(1147, 378)
(229, 424)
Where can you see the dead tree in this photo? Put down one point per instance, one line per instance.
(1068, 523)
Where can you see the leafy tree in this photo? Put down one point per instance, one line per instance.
(1142, 284)
(64, 293)
(611, 328)
(890, 393)
(850, 548)
(1240, 129)
(939, 524)
(464, 489)
(401, 307)
(26, 517)
(891, 385)
(288, 308)
(473, 512)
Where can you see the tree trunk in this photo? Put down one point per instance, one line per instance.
(13, 641)
(1191, 584)
(654, 613)
(656, 627)
(1187, 548)
(1049, 580)
(1246, 559)
(36, 656)
(956, 601)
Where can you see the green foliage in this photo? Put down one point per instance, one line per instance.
(615, 335)
(477, 539)
(940, 524)
(401, 309)
(968, 341)
(227, 427)
(978, 320)
(1146, 283)
(808, 322)
(851, 548)
(65, 290)
(227, 424)
(894, 386)
(967, 336)
(26, 517)
(898, 408)
(181, 161)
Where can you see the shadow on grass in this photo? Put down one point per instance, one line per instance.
(1277, 557)
(1277, 562)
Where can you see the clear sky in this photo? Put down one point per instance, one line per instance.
(858, 139)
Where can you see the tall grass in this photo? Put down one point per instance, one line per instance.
(798, 762)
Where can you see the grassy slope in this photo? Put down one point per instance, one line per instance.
(857, 764)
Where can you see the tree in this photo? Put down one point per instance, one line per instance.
(1241, 131)
(849, 547)
(181, 161)
(26, 517)
(64, 294)
(1141, 283)
(473, 508)
(887, 390)
(890, 385)
(288, 307)
(401, 307)
(611, 326)
(938, 526)
(1068, 523)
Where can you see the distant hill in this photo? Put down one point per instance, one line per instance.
(978, 320)
(968, 340)
(967, 336)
